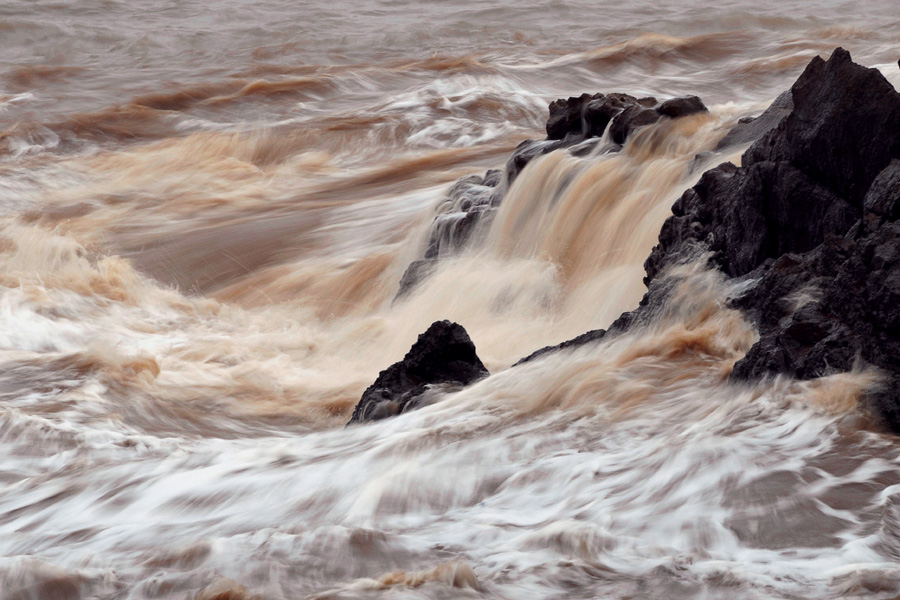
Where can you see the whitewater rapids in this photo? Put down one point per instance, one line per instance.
(204, 218)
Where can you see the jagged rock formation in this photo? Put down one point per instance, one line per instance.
(806, 178)
(442, 356)
(811, 222)
(577, 124)
(811, 217)
(587, 116)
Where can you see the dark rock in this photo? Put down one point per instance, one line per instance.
(883, 197)
(589, 146)
(594, 335)
(751, 214)
(803, 180)
(492, 178)
(682, 107)
(460, 213)
(587, 116)
(528, 151)
(630, 119)
(451, 231)
(601, 111)
(470, 204)
(573, 120)
(415, 273)
(828, 310)
(843, 129)
(597, 114)
(444, 354)
(565, 116)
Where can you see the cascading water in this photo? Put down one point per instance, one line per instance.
(203, 229)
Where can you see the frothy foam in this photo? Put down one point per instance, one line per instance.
(198, 264)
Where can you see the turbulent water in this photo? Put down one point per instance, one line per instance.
(205, 212)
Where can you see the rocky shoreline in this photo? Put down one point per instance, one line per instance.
(810, 223)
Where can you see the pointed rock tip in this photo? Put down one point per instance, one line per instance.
(444, 327)
(840, 54)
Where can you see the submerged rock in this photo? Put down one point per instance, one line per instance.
(469, 206)
(681, 107)
(442, 356)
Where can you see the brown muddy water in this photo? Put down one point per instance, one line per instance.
(205, 211)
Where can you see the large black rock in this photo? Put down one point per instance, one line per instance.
(444, 354)
(810, 219)
(810, 223)
(803, 180)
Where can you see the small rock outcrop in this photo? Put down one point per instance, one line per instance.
(588, 116)
(579, 123)
(442, 356)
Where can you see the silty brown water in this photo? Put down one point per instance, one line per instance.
(206, 211)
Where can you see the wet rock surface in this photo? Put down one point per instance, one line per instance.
(803, 180)
(829, 310)
(443, 356)
(572, 121)
(809, 223)
(811, 220)
(469, 206)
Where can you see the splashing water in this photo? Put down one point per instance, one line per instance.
(198, 265)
